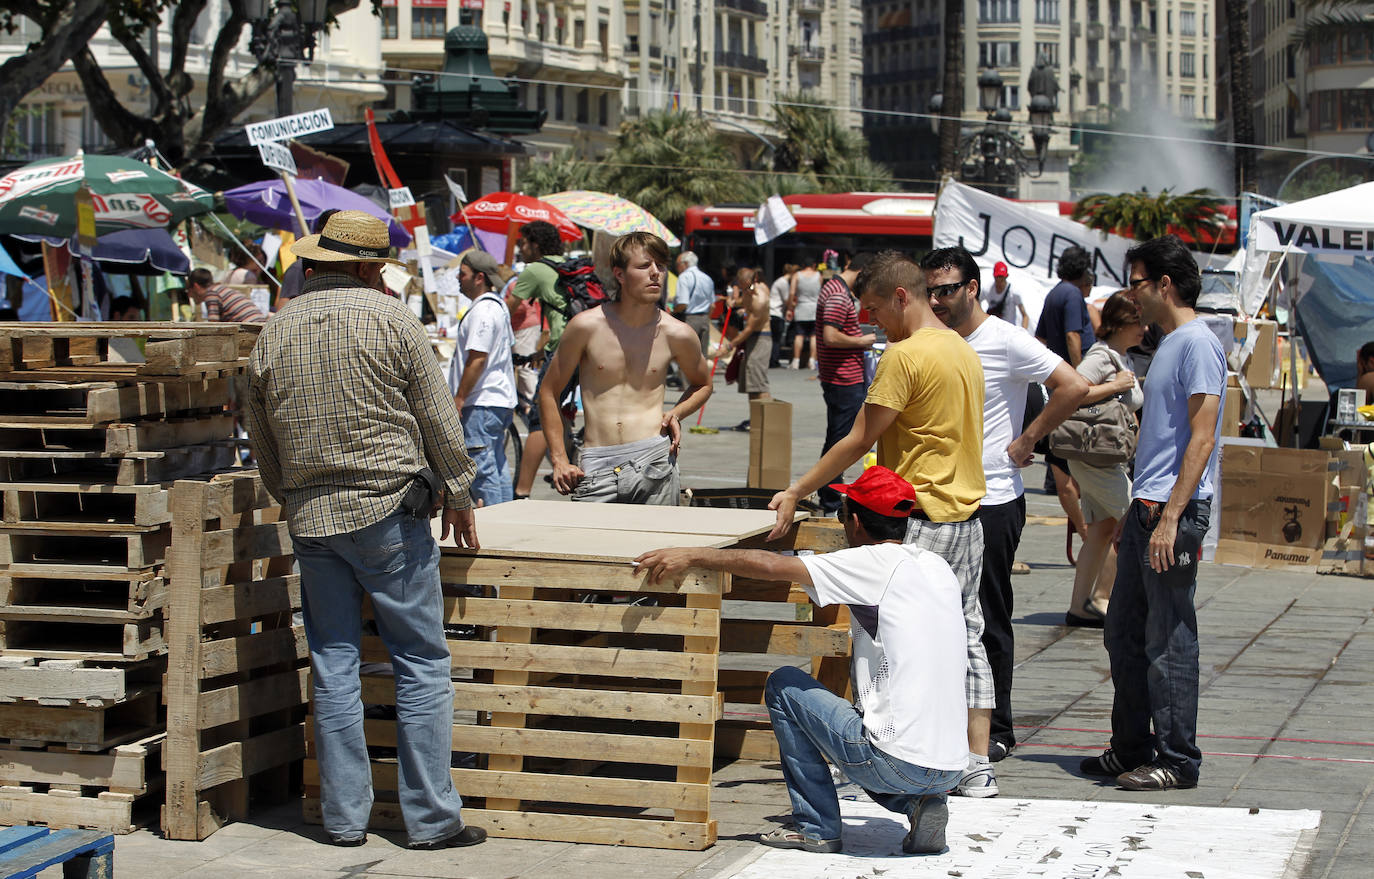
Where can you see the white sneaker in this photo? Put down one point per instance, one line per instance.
(979, 781)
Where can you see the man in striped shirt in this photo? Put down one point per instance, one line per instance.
(221, 303)
(840, 348)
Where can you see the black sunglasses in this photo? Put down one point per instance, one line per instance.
(941, 291)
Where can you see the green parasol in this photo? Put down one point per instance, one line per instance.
(40, 198)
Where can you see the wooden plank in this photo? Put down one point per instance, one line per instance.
(746, 741)
(609, 747)
(505, 717)
(271, 540)
(710, 646)
(60, 502)
(144, 436)
(97, 551)
(60, 682)
(458, 567)
(609, 661)
(85, 637)
(79, 727)
(110, 812)
(137, 595)
(131, 768)
(239, 760)
(615, 704)
(228, 655)
(645, 832)
(578, 616)
(181, 758)
(288, 689)
(253, 598)
(756, 636)
(25, 402)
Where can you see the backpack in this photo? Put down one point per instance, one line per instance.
(578, 283)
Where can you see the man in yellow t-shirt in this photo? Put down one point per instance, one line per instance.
(925, 412)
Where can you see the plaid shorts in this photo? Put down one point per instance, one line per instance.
(961, 544)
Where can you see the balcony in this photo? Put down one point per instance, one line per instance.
(741, 61)
(1142, 35)
(1095, 30)
(1076, 29)
(1117, 74)
(809, 54)
(811, 5)
(1117, 34)
(748, 7)
(655, 51)
(1096, 74)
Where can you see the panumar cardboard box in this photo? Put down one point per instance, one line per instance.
(770, 444)
(1274, 498)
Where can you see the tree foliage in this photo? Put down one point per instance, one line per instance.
(815, 144)
(64, 26)
(1143, 216)
(564, 171)
(668, 161)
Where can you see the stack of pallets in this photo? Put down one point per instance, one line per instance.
(94, 419)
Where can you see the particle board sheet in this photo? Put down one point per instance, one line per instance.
(568, 543)
(736, 524)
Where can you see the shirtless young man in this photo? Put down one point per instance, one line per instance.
(623, 350)
(755, 339)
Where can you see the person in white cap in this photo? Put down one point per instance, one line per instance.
(356, 434)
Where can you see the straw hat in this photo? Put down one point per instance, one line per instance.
(348, 236)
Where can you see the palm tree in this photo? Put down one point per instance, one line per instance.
(1240, 92)
(815, 144)
(1143, 216)
(1333, 19)
(563, 172)
(952, 91)
(667, 161)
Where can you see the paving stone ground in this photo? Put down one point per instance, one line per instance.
(1286, 717)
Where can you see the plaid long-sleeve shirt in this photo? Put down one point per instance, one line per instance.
(346, 403)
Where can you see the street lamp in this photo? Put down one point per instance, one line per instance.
(283, 34)
(994, 155)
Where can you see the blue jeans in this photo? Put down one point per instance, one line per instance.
(1151, 640)
(812, 725)
(842, 405)
(396, 562)
(484, 430)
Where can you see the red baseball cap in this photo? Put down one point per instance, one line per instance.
(882, 491)
(999, 270)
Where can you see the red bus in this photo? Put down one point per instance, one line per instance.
(723, 235)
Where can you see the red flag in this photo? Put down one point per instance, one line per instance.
(409, 216)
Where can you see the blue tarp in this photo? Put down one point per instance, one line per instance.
(8, 265)
(1335, 316)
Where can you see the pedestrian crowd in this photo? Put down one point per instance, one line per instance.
(360, 437)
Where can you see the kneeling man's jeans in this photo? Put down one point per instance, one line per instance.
(396, 562)
(812, 725)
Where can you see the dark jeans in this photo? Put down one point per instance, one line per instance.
(1002, 524)
(842, 405)
(1151, 639)
(776, 325)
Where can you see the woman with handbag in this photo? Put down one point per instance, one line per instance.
(1105, 487)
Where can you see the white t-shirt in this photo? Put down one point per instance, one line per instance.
(1010, 301)
(909, 647)
(777, 296)
(1012, 359)
(486, 327)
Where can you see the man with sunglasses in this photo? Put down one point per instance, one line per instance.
(1012, 359)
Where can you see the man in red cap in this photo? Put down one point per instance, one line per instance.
(1000, 300)
(903, 739)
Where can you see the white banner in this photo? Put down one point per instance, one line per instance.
(278, 156)
(1028, 239)
(287, 127)
(400, 198)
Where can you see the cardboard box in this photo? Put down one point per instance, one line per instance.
(1260, 337)
(1274, 497)
(1264, 555)
(1231, 408)
(770, 444)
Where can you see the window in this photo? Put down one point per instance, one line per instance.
(1187, 24)
(1169, 22)
(36, 131)
(995, 11)
(1094, 95)
(1186, 64)
(1357, 46)
(1328, 51)
(558, 102)
(1342, 110)
(1047, 11)
(428, 22)
(1168, 63)
(391, 26)
(582, 107)
(999, 54)
(1011, 97)
(579, 33)
(1187, 106)
(1050, 51)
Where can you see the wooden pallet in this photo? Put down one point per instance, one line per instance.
(76, 505)
(84, 638)
(59, 808)
(237, 680)
(129, 595)
(117, 439)
(90, 403)
(166, 349)
(753, 628)
(80, 728)
(75, 682)
(98, 551)
(628, 690)
(135, 768)
(133, 468)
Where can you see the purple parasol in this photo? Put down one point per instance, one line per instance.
(267, 204)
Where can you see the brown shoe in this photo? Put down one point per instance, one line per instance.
(1152, 777)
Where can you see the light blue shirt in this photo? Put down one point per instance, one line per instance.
(1189, 361)
(696, 289)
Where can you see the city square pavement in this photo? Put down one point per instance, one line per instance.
(1285, 721)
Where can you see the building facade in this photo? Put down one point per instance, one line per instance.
(1109, 56)
(593, 64)
(56, 119)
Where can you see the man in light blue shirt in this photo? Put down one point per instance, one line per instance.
(696, 292)
(1151, 627)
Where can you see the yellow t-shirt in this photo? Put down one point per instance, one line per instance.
(935, 382)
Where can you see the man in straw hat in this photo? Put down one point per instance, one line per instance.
(903, 741)
(348, 412)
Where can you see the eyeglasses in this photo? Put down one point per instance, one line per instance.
(943, 290)
(1136, 282)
